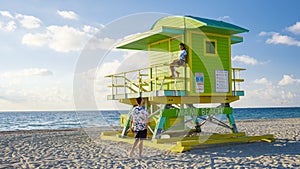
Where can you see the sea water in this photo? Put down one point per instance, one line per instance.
(36, 120)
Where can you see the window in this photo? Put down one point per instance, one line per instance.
(210, 47)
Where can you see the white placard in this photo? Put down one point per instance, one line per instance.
(199, 82)
(222, 85)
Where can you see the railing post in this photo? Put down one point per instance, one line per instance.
(155, 79)
(112, 86)
(185, 82)
(234, 87)
(124, 84)
(139, 78)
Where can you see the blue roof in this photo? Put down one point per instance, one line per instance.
(220, 24)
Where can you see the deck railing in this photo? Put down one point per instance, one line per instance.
(236, 80)
(157, 78)
(154, 78)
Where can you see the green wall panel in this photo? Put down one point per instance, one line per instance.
(206, 63)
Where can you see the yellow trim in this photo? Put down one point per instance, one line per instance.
(213, 136)
(209, 34)
(215, 47)
(157, 42)
(230, 66)
(169, 49)
(192, 99)
(210, 94)
(190, 65)
(226, 140)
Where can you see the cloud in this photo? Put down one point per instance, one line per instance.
(23, 96)
(287, 95)
(6, 14)
(35, 39)
(245, 59)
(27, 73)
(67, 39)
(226, 17)
(12, 96)
(295, 28)
(8, 27)
(277, 38)
(58, 38)
(90, 29)
(266, 33)
(287, 80)
(91, 88)
(282, 39)
(263, 81)
(105, 43)
(98, 91)
(268, 94)
(68, 15)
(35, 89)
(37, 72)
(28, 22)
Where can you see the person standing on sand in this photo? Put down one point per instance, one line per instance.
(180, 61)
(139, 124)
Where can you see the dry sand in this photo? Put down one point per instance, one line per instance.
(77, 149)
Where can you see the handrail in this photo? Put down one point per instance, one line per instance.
(131, 71)
(238, 69)
(145, 82)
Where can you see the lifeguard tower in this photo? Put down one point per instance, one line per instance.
(174, 103)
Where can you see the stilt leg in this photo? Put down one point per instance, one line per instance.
(126, 127)
(232, 123)
(230, 119)
(198, 126)
(159, 126)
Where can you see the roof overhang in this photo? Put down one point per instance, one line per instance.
(236, 39)
(142, 40)
(184, 22)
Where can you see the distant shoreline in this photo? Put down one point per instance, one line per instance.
(4, 111)
(105, 128)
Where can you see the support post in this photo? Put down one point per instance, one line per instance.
(232, 123)
(159, 126)
(127, 126)
(230, 119)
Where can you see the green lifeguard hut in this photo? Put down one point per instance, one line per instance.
(207, 76)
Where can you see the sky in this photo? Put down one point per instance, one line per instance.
(46, 45)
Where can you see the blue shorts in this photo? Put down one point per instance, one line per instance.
(178, 62)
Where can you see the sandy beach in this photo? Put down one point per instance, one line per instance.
(80, 148)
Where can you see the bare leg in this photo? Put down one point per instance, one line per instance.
(140, 148)
(177, 73)
(133, 147)
(172, 68)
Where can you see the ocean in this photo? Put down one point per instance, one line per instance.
(38, 120)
